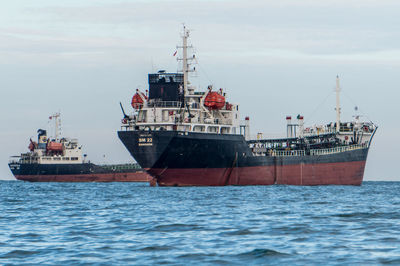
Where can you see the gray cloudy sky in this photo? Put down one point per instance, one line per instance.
(273, 57)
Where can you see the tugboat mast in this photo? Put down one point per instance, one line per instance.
(56, 118)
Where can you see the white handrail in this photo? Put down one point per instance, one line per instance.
(277, 153)
(337, 149)
(284, 153)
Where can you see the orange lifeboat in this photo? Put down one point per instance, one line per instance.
(54, 146)
(138, 100)
(32, 145)
(214, 100)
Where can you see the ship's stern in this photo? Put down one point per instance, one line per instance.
(146, 147)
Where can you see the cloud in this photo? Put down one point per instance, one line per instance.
(309, 27)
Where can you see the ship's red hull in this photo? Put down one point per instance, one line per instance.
(340, 173)
(139, 176)
(205, 159)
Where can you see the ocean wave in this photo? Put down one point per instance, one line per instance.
(127, 223)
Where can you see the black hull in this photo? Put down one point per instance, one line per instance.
(216, 157)
(178, 150)
(85, 172)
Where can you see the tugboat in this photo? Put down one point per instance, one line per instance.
(61, 160)
(184, 137)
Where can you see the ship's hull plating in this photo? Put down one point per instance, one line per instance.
(198, 159)
(86, 172)
(298, 174)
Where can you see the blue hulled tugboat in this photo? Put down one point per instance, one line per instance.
(61, 160)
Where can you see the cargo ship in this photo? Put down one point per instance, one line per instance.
(186, 137)
(61, 160)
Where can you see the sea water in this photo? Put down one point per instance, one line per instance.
(133, 223)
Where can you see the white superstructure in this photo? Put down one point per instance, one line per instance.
(54, 150)
(172, 103)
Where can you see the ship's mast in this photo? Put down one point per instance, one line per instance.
(56, 118)
(185, 59)
(337, 104)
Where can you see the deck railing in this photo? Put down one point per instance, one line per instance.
(24, 159)
(285, 153)
(13, 160)
(165, 104)
(121, 166)
(337, 149)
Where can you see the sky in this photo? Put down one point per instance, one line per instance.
(273, 58)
